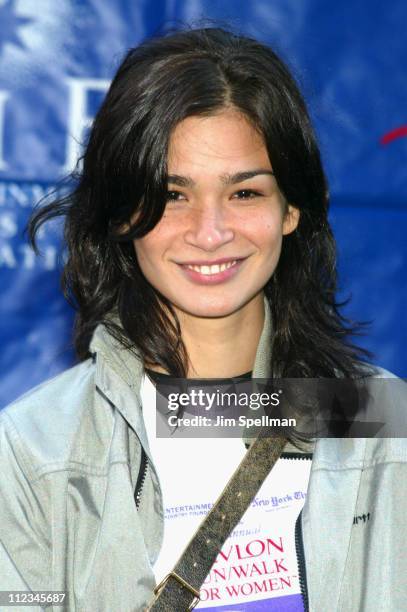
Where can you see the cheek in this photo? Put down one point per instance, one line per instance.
(266, 231)
(147, 255)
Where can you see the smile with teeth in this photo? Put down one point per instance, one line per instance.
(215, 269)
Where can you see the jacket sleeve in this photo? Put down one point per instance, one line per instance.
(25, 545)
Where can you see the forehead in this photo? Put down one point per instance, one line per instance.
(226, 141)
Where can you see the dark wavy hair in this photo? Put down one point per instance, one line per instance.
(158, 84)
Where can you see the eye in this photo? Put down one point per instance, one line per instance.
(175, 196)
(246, 194)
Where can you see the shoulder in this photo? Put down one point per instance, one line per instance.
(60, 397)
(379, 372)
(41, 424)
(386, 396)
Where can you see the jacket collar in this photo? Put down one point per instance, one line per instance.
(119, 371)
(128, 364)
(118, 377)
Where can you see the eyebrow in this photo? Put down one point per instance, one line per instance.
(226, 179)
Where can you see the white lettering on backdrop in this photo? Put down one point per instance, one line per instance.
(79, 119)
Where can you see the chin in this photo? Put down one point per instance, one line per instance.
(206, 309)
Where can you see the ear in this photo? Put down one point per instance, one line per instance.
(291, 219)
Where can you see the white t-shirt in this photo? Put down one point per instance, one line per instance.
(256, 569)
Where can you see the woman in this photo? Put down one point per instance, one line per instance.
(199, 246)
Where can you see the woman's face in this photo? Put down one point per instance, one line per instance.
(220, 237)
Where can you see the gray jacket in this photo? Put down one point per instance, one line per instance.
(70, 454)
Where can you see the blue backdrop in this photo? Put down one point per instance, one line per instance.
(56, 60)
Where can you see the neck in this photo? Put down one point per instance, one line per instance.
(226, 346)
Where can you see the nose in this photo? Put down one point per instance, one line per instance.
(209, 229)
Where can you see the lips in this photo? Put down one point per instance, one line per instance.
(211, 272)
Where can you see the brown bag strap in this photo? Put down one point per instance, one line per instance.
(179, 590)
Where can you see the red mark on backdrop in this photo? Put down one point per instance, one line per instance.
(394, 134)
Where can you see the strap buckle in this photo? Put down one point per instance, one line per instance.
(183, 583)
